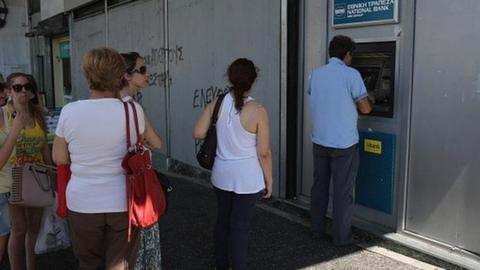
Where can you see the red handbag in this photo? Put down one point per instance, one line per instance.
(146, 200)
(63, 176)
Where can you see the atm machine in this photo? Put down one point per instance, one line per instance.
(383, 56)
(376, 63)
(375, 183)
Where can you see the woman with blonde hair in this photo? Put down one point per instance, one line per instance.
(31, 147)
(91, 137)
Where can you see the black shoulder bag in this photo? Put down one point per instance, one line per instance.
(208, 150)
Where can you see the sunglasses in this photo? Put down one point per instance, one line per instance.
(18, 87)
(141, 70)
(3, 86)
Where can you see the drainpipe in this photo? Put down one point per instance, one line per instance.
(106, 23)
(28, 26)
(167, 82)
(27, 17)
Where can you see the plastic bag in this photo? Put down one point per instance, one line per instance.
(54, 233)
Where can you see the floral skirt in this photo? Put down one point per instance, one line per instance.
(149, 255)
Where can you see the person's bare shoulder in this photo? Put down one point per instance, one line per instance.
(255, 109)
(252, 106)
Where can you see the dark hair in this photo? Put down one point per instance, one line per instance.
(3, 85)
(33, 105)
(241, 73)
(32, 81)
(340, 45)
(130, 60)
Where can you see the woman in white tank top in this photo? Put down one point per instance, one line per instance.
(243, 165)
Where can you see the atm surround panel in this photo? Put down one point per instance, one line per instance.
(376, 63)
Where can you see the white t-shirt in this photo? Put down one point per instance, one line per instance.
(95, 132)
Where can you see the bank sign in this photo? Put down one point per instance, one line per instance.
(363, 12)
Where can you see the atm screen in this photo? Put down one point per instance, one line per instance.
(376, 64)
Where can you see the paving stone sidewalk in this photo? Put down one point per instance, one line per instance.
(275, 242)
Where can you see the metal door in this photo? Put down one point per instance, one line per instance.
(443, 188)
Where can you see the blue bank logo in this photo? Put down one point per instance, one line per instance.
(340, 10)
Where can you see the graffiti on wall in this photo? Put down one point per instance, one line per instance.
(157, 55)
(155, 60)
(158, 79)
(203, 96)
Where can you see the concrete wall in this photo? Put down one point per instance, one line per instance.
(212, 34)
(139, 27)
(14, 46)
(71, 4)
(315, 53)
(85, 34)
(49, 8)
(205, 36)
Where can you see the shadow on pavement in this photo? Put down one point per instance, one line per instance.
(275, 242)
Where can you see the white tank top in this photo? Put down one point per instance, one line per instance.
(236, 166)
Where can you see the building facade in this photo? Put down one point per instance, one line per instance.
(417, 182)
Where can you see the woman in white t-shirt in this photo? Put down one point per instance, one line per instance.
(91, 136)
(243, 163)
(148, 252)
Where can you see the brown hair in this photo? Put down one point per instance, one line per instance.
(241, 73)
(34, 107)
(130, 60)
(104, 69)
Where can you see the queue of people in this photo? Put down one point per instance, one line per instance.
(91, 140)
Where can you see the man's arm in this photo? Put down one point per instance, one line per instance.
(364, 105)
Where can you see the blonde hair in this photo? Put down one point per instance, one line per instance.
(104, 69)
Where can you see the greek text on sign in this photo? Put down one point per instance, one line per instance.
(358, 12)
(372, 146)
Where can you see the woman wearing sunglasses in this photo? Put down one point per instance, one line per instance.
(8, 139)
(148, 240)
(31, 147)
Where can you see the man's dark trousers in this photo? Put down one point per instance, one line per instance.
(341, 165)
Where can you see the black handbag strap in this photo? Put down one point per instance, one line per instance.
(213, 120)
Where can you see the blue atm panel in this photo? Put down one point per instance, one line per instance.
(375, 180)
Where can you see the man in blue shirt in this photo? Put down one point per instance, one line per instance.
(336, 92)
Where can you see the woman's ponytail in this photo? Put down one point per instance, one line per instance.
(241, 73)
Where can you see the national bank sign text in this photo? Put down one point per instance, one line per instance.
(359, 12)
